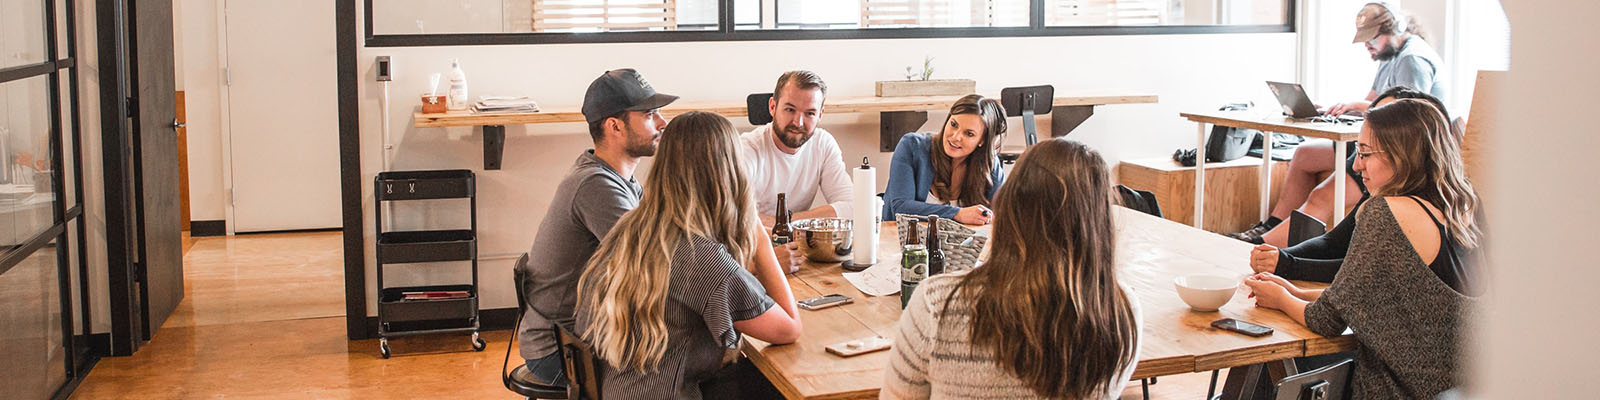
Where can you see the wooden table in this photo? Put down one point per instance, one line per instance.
(1151, 252)
(898, 115)
(1339, 133)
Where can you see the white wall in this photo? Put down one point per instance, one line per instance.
(200, 77)
(1538, 336)
(1189, 72)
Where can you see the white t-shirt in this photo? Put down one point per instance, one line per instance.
(817, 167)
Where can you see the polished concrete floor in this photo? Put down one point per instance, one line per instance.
(262, 318)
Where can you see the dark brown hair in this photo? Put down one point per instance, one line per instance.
(801, 79)
(980, 163)
(1047, 304)
(1426, 156)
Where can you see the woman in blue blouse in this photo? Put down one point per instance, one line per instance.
(953, 173)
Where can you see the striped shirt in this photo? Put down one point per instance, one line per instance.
(707, 291)
(935, 357)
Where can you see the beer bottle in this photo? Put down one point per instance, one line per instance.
(781, 232)
(913, 265)
(935, 253)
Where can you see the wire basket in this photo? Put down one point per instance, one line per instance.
(961, 245)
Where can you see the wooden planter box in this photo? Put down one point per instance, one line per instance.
(934, 87)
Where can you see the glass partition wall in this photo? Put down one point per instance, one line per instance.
(44, 322)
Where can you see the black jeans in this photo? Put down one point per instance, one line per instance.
(740, 380)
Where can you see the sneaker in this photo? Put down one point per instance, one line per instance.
(1254, 234)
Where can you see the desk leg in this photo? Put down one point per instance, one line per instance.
(1338, 181)
(494, 146)
(1244, 382)
(1266, 174)
(1200, 177)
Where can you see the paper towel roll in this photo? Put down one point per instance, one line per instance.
(866, 221)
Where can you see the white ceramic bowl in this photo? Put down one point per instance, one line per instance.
(1205, 292)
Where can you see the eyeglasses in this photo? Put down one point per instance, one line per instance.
(1364, 155)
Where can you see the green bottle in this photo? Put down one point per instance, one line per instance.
(913, 265)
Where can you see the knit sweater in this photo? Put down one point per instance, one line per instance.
(1407, 321)
(935, 358)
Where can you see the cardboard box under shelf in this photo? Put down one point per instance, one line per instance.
(1232, 193)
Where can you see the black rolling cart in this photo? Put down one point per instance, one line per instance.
(417, 310)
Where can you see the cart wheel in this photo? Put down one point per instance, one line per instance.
(383, 348)
(478, 343)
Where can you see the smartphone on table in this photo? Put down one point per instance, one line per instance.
(818, 303)
(1243, 327)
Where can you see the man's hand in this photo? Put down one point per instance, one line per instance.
(1355, 108)
(1264, 258)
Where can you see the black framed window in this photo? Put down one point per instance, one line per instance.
(44, 316)
(487, 22)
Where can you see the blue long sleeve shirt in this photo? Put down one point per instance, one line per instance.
(911, 176)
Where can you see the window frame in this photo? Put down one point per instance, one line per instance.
(727, 32)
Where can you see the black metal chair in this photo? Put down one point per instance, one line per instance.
(1303, 227)
(1027, 102)
(519, 380)
(1140, 200)
(756, 104)
(584, 368)
(1327, 383)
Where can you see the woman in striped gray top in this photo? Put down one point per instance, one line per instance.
(666, 298)
(1045, 317)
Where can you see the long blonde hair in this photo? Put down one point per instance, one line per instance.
(1047, 305)
(695, 188)
(1418, 141)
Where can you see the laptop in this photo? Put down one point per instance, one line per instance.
(1294, 100)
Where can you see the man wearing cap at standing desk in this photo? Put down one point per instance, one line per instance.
(622, 110)
(1405, 58)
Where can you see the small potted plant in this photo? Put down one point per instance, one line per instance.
(921, 84)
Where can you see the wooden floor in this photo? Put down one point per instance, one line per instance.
(262, 317)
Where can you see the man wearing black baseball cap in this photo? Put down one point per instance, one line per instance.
(625, 122)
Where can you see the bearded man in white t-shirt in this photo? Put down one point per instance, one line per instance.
(791, 155)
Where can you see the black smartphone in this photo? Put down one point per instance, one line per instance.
(1244, 327)
(818, 303)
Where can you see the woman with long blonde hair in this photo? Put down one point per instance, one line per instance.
(667, 295)
(1412, 273)
(1045, 317)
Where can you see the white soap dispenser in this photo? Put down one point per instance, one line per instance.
(458, 86)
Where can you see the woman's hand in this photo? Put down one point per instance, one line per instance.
(974, 215)
(1271, 291)
(1264, 258)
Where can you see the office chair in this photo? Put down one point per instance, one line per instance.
(1303, 227)
(1139, 200)
(1327, 383)
(1027, 102)
(756, 105)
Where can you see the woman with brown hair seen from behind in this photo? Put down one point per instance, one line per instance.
(953, 173)
(1046, 315)
(667, 296)
(1411, 275)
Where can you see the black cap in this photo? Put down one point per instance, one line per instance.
(621, 90)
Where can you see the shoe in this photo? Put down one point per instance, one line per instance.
(1254, 234)
(1184, 157)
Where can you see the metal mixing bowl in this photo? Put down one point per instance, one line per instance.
(824, 240)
